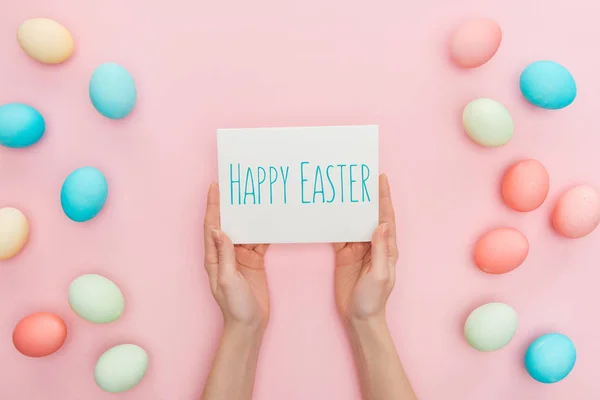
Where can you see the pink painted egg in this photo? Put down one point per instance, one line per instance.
(475, 42)
(525, 185)
(577, 212)
(501, 250)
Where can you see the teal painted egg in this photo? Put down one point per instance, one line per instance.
(547, 84)
(121, 368)
(96, 299)
(550, 358)
(112, 91)
(20, 125)
(83, 194)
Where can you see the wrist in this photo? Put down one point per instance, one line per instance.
(243, 330)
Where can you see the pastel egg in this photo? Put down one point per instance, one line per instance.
(45, 40)
(121, 368)
(547, 84)
(39, 334)
(488, 122)
(525, 185)
(112, 91)
(20, 125)
(550, 358)
(96, 299)
(491, 326)
(83, 194)
(501, 250)
(475, 42)
(14, 231)
(577, 212)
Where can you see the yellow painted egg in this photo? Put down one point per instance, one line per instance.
(14, 231)
(45, 40)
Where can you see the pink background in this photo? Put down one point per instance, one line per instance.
(203, 65)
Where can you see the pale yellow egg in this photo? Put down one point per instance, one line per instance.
(45, 40)
(14, 231)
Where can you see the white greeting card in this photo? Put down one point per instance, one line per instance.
(298, 185)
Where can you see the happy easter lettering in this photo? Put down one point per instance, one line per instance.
(322, 184)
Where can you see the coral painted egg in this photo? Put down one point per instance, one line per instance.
(501, 250)
(488, 122)
(83, 194)
(475, 42)
(20, 125)
(45, 40)
(577, 212)
(112, 91)
(121, 368)
(547, 84)
(39, 334)
(491, 326)
(96, 299)
(550, 358)
(14, 231)
(525, 185)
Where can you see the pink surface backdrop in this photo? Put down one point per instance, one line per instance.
(203, 65)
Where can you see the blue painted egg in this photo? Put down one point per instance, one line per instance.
(112, 91)
(550, 358)
(547, 84)
(83, 194)
(20, 125)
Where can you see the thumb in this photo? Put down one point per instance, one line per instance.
(226, 254)
(380, 253)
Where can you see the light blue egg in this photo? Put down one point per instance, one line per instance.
(550, 358)
(20, 125)
(83, 194)
(547, 84)
(112, 91)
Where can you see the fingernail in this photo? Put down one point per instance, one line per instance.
(384, 229)
(216, 235)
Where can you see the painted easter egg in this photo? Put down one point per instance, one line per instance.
(525, 185)
(45, 40)
(121, 368)
(83, 194)
(547, 84)
(39, 334)
(96, 299)
(112, 91)
(14, 231)
(475, 42)
(488, 122)
(550, 358)
(491, 326)
(20, 125)
(577, 212)
(501, 250)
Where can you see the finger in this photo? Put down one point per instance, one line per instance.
(226, 254)
(380, 253)
(386, 210)
(211, 221)
(261, 249)
(339, 246)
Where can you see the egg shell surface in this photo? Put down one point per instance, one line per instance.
(14, 231)
(83, 194)
(20, 125)
(577, 212)
(45, 40)
(39, 334)
(96, 299)
(491, 326)
(550, 358)
(112, 91)
(475, 42)
(488, 122)
(501, 250)
(525, 185)
(121, 368)
(548, 85)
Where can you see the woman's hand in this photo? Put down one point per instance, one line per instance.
(365, 272)
(236, 273)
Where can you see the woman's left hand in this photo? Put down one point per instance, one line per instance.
(236, 273)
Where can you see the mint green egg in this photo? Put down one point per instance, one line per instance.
(121, 368)
(491, 326)
(488, 122)
(96, 299)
